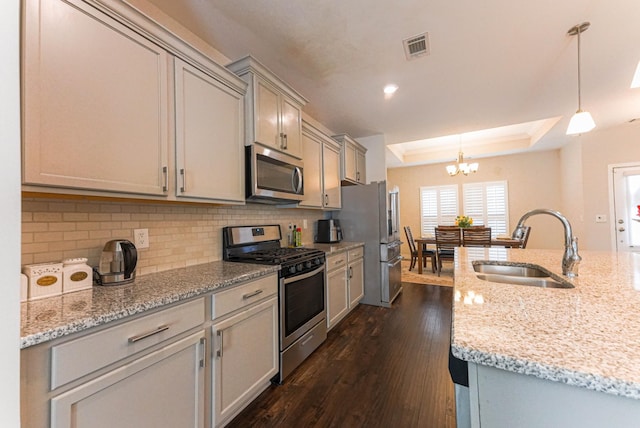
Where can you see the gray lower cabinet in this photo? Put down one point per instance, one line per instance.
(244, 345)
(345, 284)
(162, 389)
(145, 372)
(337, 299)
(156, 369)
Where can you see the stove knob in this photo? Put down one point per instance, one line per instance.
(292, 269)
(299, 267)
(308, 264)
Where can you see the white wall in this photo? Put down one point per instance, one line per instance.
(376, 161)
(599, 149)
(10, 224)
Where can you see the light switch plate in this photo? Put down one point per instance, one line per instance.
(601, 218)
(141, 238)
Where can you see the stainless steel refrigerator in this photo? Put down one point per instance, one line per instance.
(370, 214)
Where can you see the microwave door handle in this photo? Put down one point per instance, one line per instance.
(296, 180)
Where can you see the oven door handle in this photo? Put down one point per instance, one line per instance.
(304, 276)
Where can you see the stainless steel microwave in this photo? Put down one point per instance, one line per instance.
(273, 177)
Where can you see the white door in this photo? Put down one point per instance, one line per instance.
(626, 207)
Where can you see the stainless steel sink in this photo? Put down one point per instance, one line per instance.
(518, 273)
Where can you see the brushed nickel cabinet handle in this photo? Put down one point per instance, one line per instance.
(220, 335)
(165, 173)
(136, 338)
(184, 180)
(250, 295)
(203, 351)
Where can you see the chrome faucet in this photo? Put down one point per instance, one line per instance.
(571, 258)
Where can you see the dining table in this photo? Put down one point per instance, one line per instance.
(498, 241)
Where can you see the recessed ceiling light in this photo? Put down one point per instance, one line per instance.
(390, 89)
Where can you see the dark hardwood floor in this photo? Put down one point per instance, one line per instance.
(378, 368)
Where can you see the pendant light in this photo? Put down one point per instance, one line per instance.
(582, 121)
(462, 166)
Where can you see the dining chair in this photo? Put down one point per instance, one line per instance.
(414, 252)
(476, 236)
(447, 239)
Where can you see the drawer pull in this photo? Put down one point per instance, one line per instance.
(250, 295)
(134, 339)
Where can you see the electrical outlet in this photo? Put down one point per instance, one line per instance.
(304, 224)
(141, 238)
(601, 218)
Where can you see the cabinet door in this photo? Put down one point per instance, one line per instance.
(349, 166)
(245, 358)
(337, 296)
(356, 282)
(162, 389)
(209, 139)
(95, 102)
(331, 176)
(266, 114)
(312, 155)
(361, 162)
(291, 126)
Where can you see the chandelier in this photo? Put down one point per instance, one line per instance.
(461, 166)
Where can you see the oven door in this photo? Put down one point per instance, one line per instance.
(301, 305)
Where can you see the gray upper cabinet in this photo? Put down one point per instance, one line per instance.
(321, 169)
(95, 102)
(108, 112)
(353, 166)
(273, 109)
(209, 130)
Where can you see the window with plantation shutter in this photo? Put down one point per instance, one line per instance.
(487, 203)
(438, 205)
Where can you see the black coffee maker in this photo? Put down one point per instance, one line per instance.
(329, 231)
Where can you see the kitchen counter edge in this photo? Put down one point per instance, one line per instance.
(46, 319)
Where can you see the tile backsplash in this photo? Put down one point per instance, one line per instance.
(179, 235)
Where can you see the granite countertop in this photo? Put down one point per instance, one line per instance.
(335, 248)
(47, 319)
(587, 336)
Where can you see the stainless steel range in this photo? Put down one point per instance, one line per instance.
(301, 296)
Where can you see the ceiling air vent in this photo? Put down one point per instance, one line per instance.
(416, 46)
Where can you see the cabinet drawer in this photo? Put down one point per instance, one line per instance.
(227, 301)
(336, 261)
(74, 359)
(356, 253)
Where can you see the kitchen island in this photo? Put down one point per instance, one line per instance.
(550, 357)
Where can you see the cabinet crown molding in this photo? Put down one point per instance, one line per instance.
(249, 64)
